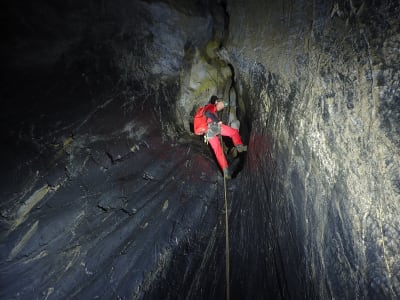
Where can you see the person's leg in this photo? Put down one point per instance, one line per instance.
(215, 144)
(232, 133)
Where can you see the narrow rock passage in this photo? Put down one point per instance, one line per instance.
(106, 193)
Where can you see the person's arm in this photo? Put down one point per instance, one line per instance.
(211, 115)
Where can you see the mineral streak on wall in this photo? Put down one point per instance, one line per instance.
(321, 79)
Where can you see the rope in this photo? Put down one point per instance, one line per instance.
(226, 238)
(226, 243)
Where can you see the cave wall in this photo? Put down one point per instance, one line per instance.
(65, 62)
(320, 80)
(108, 88)
(98, 194)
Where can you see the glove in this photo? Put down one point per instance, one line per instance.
(213, 129)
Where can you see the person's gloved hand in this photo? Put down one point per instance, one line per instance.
(213, 129)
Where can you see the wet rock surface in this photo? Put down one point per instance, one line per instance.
(324, 106)
(108, 211)
(105, 192)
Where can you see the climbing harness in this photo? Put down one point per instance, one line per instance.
(226, 238)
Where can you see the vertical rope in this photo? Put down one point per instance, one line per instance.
(226, 243)
(226, 215)
(226, 238)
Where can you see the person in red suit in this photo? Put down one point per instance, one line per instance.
(217, 128)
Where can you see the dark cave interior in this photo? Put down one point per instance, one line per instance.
(107, 193)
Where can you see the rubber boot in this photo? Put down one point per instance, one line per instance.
(241, 148)
(226, 174)
(233, 152)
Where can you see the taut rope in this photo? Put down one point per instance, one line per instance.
(226, 238)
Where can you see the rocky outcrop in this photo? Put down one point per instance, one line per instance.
(320, 80)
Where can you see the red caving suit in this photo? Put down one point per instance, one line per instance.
(215, 143)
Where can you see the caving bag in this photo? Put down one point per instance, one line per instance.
(200, 125)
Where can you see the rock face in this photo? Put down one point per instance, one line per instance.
(321, 82)
(106, 193)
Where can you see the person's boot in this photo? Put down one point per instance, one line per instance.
(241, 148)
(233, 152)
(226, 174)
